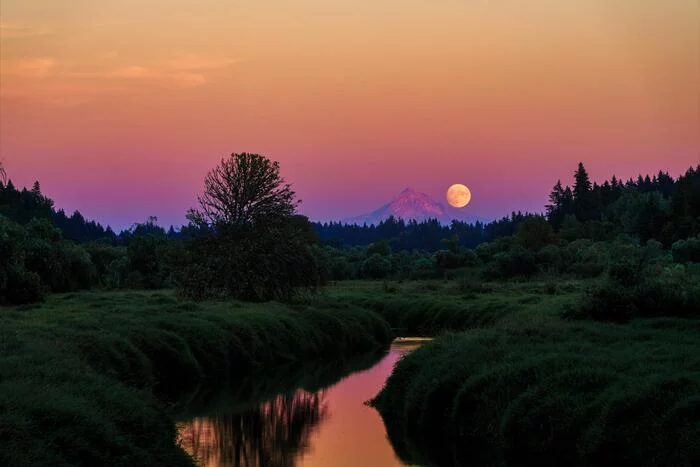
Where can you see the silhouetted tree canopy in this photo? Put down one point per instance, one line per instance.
(243, 189)
(247, 242)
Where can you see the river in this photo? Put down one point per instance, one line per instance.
(307, 423)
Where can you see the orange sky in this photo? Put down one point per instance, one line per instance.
(120, 108)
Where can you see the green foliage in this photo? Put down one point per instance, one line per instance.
(258, 263)
(517, 262)
(429, 307)
(448, 259)
(379, 248)
(244, 189)
(658, 208)
(687, 251)
(566, 395)
(84, 377)
(375, 266)
(247, 241)
(641, 282)
(35, 259)
(105, 257)
(535, 233)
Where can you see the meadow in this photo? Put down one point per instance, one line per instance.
(85, 379)
(100, 377)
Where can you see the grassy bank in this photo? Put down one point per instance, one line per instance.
(561, 394)
(83, 377)
(431, 307)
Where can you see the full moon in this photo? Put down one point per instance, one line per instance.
(458, 195)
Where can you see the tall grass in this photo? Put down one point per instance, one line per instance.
(428, 308)
(580, 394)
(83, 378)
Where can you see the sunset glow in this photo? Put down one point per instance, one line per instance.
(120, 108)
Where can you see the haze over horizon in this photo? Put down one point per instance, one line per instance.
(119, 110)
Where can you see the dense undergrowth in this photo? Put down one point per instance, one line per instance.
(83, 378)
(561, 394)
(429, 308)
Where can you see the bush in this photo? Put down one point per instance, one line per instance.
(19, 286)
(102, 255)
(686, 251)
(641, 283)
(35, 260)
(445, 259)
(518, 262)
(256, 263)
(375, 267)
(574, 395)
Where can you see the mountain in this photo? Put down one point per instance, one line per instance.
(408, 205)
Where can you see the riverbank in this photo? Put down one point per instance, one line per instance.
(84, 377)
(561, 394)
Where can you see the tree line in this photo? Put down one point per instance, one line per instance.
(657, 207)
(409, 235)
(245, 240)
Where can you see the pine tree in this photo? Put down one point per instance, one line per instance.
(582, 185)
(584, 201)
(555, 212)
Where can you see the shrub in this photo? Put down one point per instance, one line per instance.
(375, 267)
(686, 251)
(518, 262)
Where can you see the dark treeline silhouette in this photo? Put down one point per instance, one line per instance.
(233, 247)
(23, 205)
(657, 207)
(410, 235)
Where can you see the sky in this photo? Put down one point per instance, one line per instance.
(119, 108)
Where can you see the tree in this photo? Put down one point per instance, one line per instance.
(584, 198)
(247, 242)
(559, 202)
(582, 185)
(535, 233)
(3, 173)
(244, 189)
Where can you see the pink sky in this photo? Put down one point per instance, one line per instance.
(120, 108)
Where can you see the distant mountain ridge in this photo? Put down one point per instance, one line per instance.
(409, 205)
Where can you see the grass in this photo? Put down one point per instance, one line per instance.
(428, 308)
(90, 378)
(84, 378)
(567, 394)
(516, 383)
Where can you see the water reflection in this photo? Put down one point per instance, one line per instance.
(273, 434)
(324, 424)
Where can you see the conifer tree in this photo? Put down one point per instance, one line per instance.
(582, 184)
(584, 201)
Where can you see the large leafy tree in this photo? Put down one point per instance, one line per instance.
(242, 190)
(248, 242)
